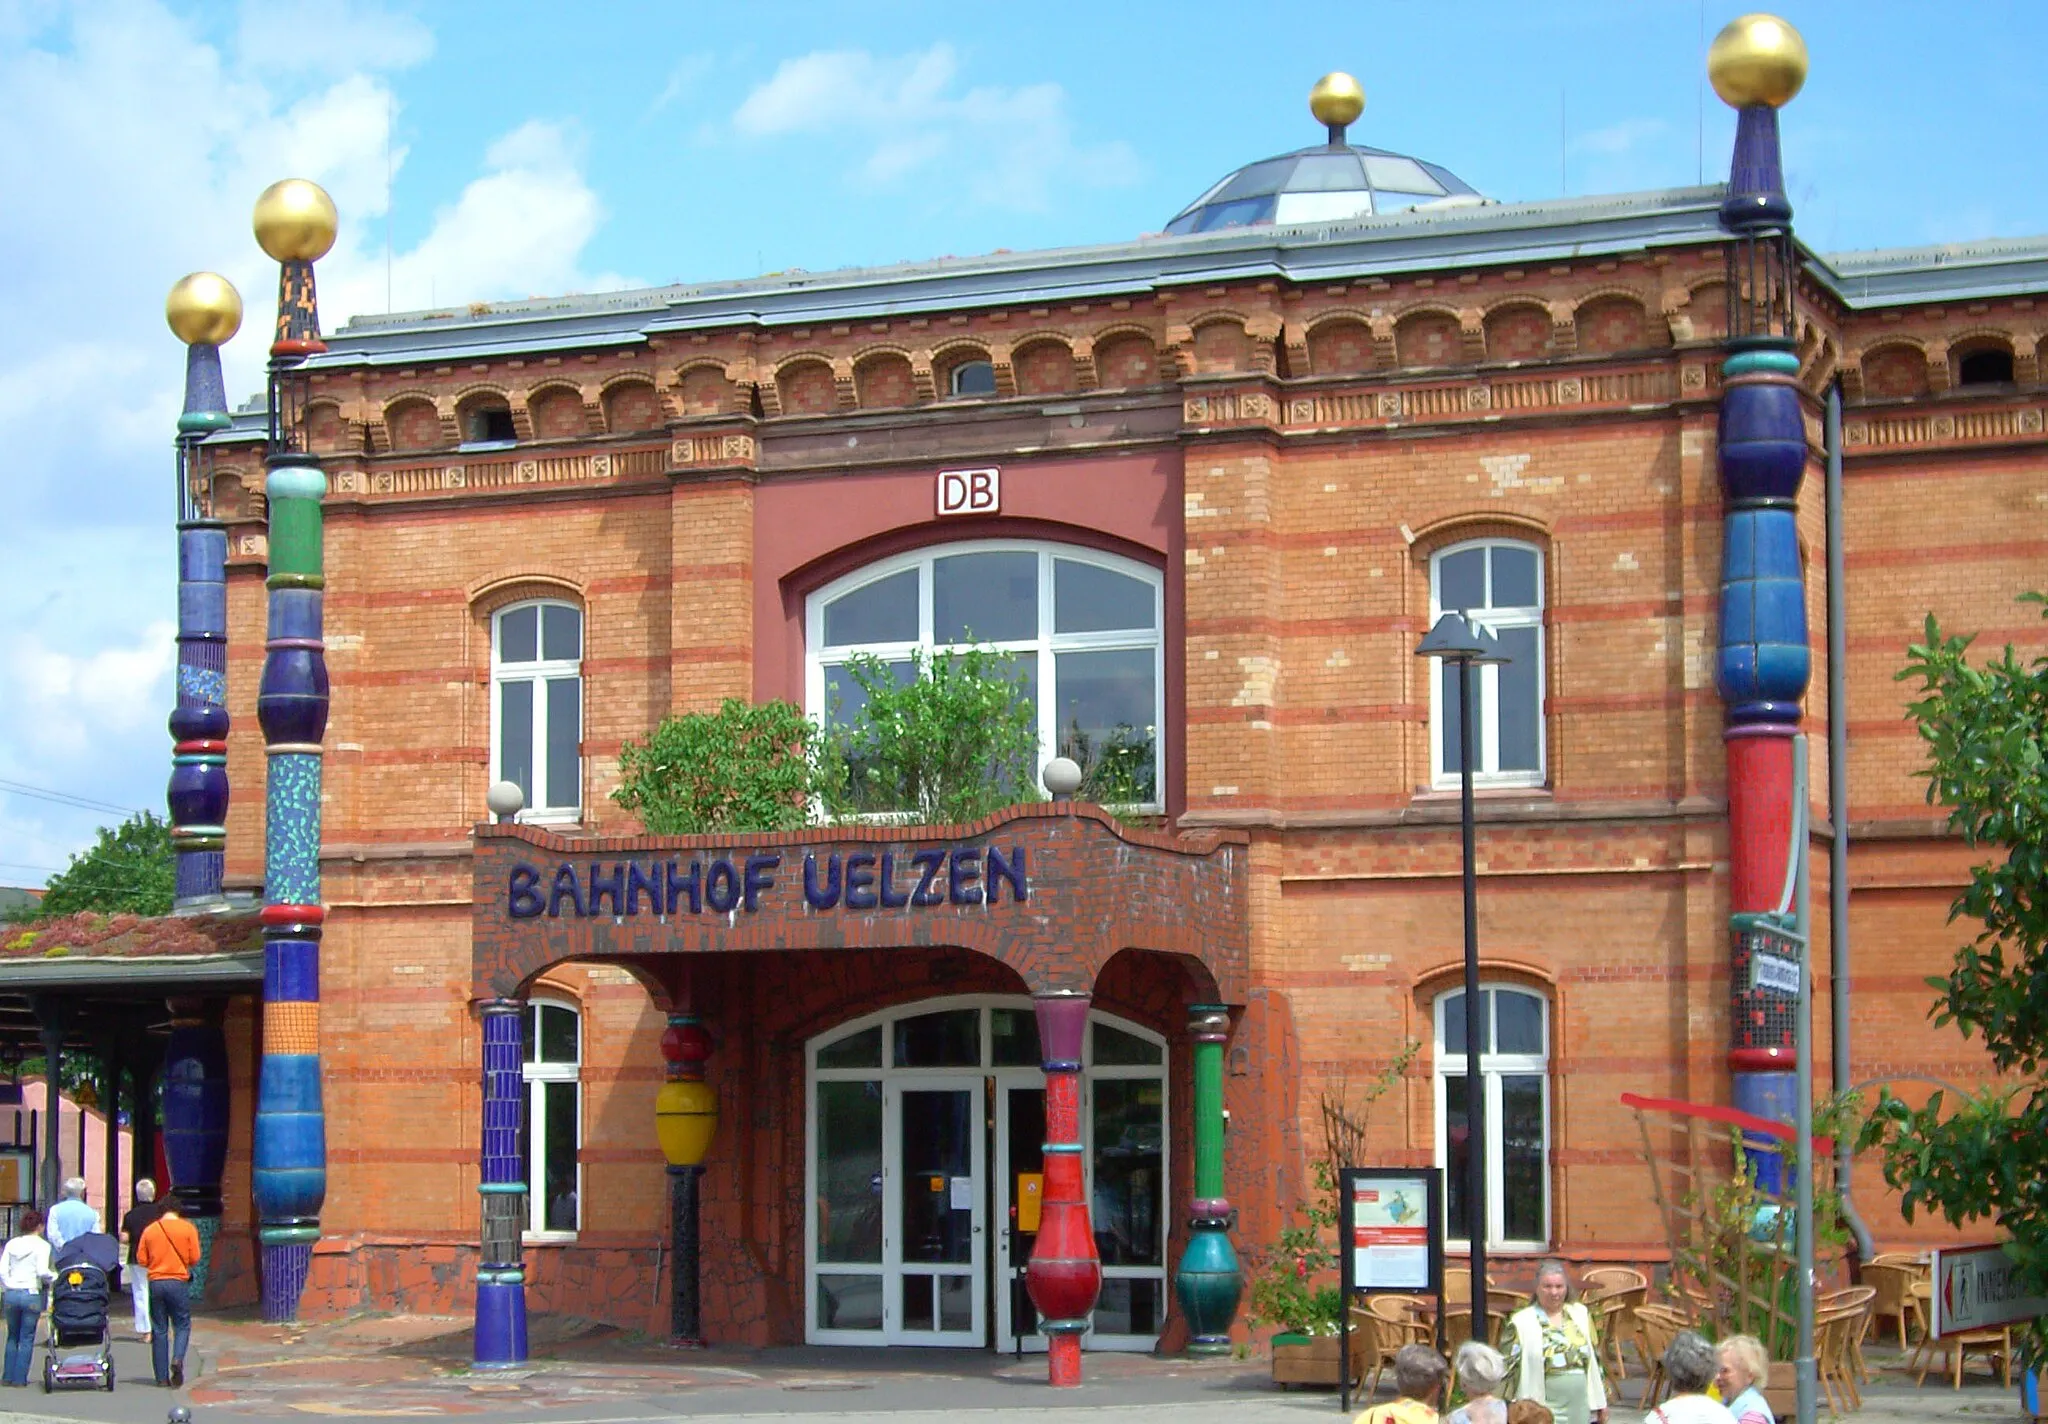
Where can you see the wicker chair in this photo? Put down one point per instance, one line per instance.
(1893, 1282)
(1616, 1314)
(1852, 1298)
(1603, 1281)
(1834, 1335)
(1995, 1345)
(1656, 1327)
(1399, 1321)
(1373, 1346)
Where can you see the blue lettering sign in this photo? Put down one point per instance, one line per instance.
(861, 881)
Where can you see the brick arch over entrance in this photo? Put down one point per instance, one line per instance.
(1051, 892)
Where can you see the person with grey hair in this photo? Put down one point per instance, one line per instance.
(1553, 1354)
(70, 1217)
(1690, 1363)
(146, 1209)
(1419, 1374)
(1480, 1370)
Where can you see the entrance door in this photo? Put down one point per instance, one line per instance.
(1020, 1183)
(934, 1246)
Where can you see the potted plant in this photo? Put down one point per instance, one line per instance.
(1293, 1292)
(1295, 1288)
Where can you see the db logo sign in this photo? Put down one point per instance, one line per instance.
(970, 491)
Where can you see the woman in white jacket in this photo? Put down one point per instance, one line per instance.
(1553, 1354)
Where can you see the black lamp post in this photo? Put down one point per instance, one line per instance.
(1456, 639)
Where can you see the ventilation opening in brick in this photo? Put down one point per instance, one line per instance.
(487, 424)
(1985, 368)
(974, 378)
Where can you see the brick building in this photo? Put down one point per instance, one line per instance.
(1236, 470)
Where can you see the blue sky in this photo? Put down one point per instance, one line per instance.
(484, 151)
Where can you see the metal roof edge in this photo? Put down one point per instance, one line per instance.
(1491, 233)
(93, 971)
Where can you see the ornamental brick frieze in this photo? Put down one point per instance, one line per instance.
(454, 475)
(1053, 892)
(1874, 434)
(1496, 396)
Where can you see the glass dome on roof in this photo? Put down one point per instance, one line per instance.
(1323, 184)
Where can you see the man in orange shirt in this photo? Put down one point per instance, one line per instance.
(168, 1250)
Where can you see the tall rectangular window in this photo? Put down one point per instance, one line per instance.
(552, 1122)
(1514, 1076)
(537, 706)
(1498, 584)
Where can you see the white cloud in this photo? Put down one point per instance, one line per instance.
(328, 36)
(143, 146)
(1004, 147)
(685, 76)
(1628, 136)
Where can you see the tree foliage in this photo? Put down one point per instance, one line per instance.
(741, 768)
(1984, 1156)
(127, 870)
(954, 740)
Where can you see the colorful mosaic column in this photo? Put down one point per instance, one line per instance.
(1757, 64)
(295, 225)
(195, 1138)
(1065, 1274)
(685, 1120)
(1210, 1283)
(203, 310)
(501, 1275)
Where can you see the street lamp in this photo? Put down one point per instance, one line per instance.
(1457, 639)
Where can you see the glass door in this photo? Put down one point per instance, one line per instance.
(1020, 1191)
(933, 1242)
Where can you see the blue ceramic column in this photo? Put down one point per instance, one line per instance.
(204, 311)
(501, 1273)
(295, 225)
(1757, 64)
(195, 1106)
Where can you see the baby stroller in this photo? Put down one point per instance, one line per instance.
(81, 1354)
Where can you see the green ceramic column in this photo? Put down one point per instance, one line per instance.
(1210, 1283)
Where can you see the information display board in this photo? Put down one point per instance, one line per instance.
(1390, 1238)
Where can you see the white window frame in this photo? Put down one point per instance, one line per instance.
(1003, 1077)
(1045, 647)
(533, 1078)
(540, 673)
(1493, 1067)
(1486, 695)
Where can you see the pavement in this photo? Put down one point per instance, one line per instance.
(396, 1367)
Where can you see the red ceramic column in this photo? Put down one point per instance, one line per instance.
(1065, 1274)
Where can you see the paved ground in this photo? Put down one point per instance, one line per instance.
(411, 1366)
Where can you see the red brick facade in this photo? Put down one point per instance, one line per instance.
(1288, 457)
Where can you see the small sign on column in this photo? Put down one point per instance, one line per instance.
(971, 491)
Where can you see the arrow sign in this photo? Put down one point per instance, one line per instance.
(1975, 1288)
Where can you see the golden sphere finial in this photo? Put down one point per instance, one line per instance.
(204, 309)
(295, 221)
(1336, 100)
(1757, 59)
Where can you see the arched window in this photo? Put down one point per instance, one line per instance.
(537, 706)
(1514, 1073)
(552, 1125)
(1083, 627)
(973, 378)
(1500, 584)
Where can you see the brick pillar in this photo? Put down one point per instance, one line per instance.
(501, 1273)
(1065, 1274)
